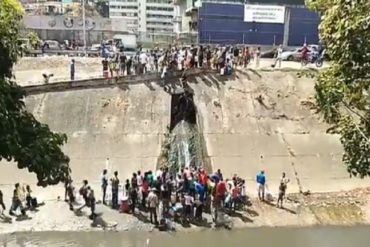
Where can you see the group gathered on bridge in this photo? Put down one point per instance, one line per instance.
(223, 59)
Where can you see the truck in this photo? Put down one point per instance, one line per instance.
(129, 42)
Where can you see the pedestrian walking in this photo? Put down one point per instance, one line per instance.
(257, 57)
(16, 201)
(72, 70)
(278, 58)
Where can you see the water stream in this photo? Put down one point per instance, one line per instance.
(183, 146)
(182, 152)
(356, 236)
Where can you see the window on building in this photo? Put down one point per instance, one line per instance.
(159, 8)
(159, 1)
(159, 16)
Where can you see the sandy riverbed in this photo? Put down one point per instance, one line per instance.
(340, 208)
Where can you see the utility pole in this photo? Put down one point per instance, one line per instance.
(84, 25)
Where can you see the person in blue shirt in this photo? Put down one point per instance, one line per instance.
(261, 181)
(199, 188)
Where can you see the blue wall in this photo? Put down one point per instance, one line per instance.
(303, 26)
(224, 23)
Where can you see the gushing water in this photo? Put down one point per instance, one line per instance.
(181, 152)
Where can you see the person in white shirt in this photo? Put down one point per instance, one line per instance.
(189, 200)
(278, 59)
(159, 172)
(139, 179)
(153, 204)
(143, 59)
(284, 179)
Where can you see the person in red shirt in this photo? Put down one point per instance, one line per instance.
(304, 51)
(235, 195)
(203, 180)
(144, 191)
(221, 191)
(203, 177)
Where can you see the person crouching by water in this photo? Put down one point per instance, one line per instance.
(153, 205)
(31, 202)
(16, 202)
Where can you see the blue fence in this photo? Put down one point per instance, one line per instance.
(224, 23)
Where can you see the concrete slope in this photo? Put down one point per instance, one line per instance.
(125, 126)
(252, 120)
(259, 120)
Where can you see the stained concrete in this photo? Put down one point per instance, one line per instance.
(242, 135)
(125, 126)
(277, 134)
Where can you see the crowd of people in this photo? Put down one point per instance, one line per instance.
(223, 59)
(181, 197)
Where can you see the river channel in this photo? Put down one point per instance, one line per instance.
(355, 236)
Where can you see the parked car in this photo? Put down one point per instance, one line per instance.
(95, 47)
(271, 53)
(295, 54)
(52, 45)
(291, 55)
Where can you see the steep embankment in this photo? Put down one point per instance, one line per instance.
(125, 126)
(262, 120)
(249, 121)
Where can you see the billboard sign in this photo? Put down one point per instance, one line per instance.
(264, 13)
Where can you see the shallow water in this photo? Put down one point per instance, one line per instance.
(259, 237)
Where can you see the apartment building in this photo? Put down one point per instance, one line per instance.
(151, 17)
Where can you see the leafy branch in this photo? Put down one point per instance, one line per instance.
(23, 139)
(342, 91)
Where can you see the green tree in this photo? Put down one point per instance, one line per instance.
(22, 138)
(34, 39)
(342, 91)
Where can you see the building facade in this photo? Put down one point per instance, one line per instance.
(269, 22)
(148, 18)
